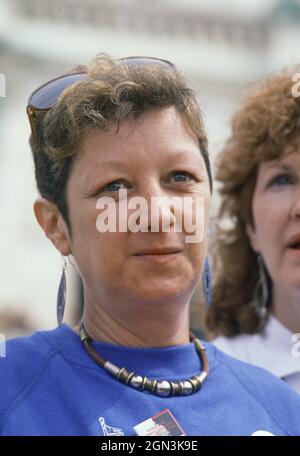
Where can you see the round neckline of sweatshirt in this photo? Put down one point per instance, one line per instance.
(175, 362)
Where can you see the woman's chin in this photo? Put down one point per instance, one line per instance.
(160, 290)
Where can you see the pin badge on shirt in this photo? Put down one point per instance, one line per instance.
(163, 423)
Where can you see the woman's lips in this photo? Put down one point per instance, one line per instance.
(294, 250)
(294, 242)
(158, 257)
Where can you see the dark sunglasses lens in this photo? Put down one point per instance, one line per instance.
(46, 96)
(147, 61)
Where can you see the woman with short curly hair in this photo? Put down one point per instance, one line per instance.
(256, 296)
(119, 127)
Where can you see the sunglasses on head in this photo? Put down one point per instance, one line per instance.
(47, 95)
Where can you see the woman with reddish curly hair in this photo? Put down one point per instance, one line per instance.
(256, 296)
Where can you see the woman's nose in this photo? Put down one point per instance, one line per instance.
(159, 210)
(295, 211)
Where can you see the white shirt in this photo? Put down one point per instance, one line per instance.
(275, 349)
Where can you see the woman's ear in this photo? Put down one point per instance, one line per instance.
(253, 238)
(53, 225)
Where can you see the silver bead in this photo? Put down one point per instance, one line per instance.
(202, 377)
(136, 381)
(175, 388)
(180, 387)
(153, 386)
(112, 368)
(187, 388)
(124, 375)
(163, 388)
(144, 383)
(196, 383)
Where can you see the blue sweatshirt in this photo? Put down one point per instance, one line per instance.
(51, 386)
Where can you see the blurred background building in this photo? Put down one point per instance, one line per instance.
(221, 45)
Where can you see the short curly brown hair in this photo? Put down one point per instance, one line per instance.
(264, 128)
(113, 91)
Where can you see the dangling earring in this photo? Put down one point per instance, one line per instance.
(61, 295)
(261, 291)
(206, 281)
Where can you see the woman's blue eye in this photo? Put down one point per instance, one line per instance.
(280, 180)
(114, 186)
(182, 176)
